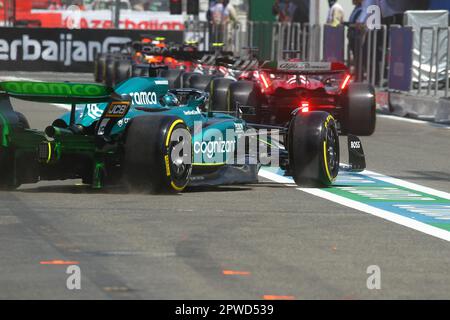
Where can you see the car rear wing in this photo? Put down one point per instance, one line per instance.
(57, 92)
(303, 67)
(49, 92)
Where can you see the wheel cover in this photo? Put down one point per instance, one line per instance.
(178, 168)
(332, 152)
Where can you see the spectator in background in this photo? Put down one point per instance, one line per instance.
(284, 10)
(335, 14)
(139, 5)
(222, 11)
(392, 10)
(352, 22)
(222, 16)
(301, 13)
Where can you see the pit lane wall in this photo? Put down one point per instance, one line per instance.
(64, 50)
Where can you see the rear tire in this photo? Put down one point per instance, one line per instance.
(173, 76)
(218, 90)
(123, 70)
(99, 67)
(313, 149)
(200, 81)
(186, 78)
(148, 162)
(109, 72)
(360, 109)
(246, 93)
(7, 179)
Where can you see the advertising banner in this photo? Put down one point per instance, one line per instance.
(65, 50)
(333, 39)
(400, 71)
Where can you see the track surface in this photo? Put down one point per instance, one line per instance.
(287, 242)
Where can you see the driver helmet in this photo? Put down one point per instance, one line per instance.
(170, 100)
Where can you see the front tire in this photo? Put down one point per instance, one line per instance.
(149, 163)
(313, 149)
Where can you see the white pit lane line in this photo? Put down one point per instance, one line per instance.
(414, 121)
(389, 216)
(360, 206)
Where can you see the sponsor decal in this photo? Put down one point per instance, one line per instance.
(212, 147)
(66, 50)
(239, 128)
(101, 19)
(192, 113)
(117, 109)
(93, 111)
(355, 144)
(162, 82)
(303, 66)
(225, 147)
(142, 98)
(53, 89)
(123, 121)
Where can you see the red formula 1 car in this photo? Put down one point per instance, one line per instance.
(277, 90)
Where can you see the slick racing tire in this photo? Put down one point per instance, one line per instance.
(139, 70)
(99, 67)
(173, 76)
(7, 179)
(150, 165)
(313, 149)
(109, 79)
(218, 91)
(186, 78)
(200, 81)
(122, 70)
(360, 110)
(245, 93)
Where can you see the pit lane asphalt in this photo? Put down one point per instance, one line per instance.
(287, 243)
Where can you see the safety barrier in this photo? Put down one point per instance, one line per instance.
(365, 51)
(437, 69)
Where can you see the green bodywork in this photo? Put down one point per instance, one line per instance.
(85, 153)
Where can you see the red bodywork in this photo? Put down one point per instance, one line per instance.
(285, 91)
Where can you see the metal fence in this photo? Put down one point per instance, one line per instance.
(433, 62)
(366, 52)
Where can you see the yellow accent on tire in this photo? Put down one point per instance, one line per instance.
(49, 157)
(166, 158)
(166, 161)
(169, 133)
(175, 187)
(326, 161)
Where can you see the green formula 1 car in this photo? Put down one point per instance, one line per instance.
(145, 136)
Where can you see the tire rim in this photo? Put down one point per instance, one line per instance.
(332, 151)
(178, 168)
